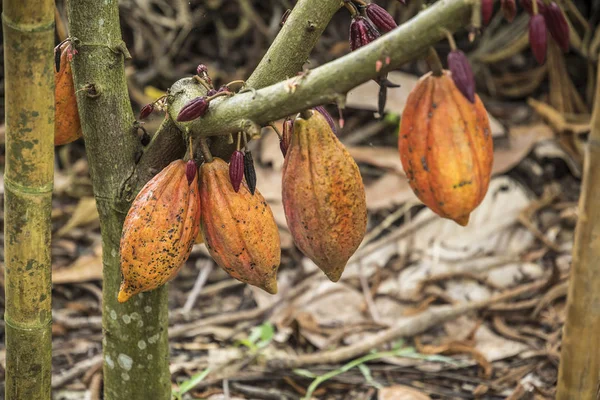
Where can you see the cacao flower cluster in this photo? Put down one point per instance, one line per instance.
(548, 18)
(363, 30)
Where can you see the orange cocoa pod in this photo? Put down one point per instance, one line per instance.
(323, 196)
(67, 127)
(239, 228)
(446, 148)
(159, 230)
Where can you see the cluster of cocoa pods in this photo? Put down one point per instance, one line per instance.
(323, 197)
(545, 17)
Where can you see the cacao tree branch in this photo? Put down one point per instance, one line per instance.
(283, 59)
(136, 352)
(292, 46)
(329, 82)
(28, 29)
(579, 371)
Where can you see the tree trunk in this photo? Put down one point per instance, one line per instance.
(28, 28)
(580, 358)
(135, 345)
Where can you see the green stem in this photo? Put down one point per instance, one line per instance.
(136, 352)
(292, 46)
(28, 28)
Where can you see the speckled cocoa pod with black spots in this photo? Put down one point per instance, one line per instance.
(159, 230)
(238, 228)
(446, 147)
(323, 196)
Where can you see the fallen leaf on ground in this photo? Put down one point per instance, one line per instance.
(401, 392)
(85, 213)
(88, 267)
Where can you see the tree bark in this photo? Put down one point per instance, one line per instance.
(28, 28)
(579, 373)
(135, 344)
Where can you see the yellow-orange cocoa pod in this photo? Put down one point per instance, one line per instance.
(446, 147)
(323, 196)
(238, 228)
(160, 229)
(67, 127)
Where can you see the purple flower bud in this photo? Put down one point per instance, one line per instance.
(327, 116)
(528, 6)
(286, 136)
(509, 9)
(557, 25)
(380, 18)
(201, 69)
(146, 111)
(462, 74)
(362, 32)
(236, 169)
(538, 37)
(193, 109)
(224, 88)
(487, 10)
(190, 171)
(249, 172)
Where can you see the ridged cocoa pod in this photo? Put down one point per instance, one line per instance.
(236, 169)
(159, 230)
(487, 11)
(238, 228)
(323, 196)
(193, 109)
(67, 127)
(446, 147)
(509, 9)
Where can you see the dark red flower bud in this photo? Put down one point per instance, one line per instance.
(190, 171)
(146, 111)
(201, 69)
(509, 9)
(557, 25)
(224, 88)
(193, 109)
(380, 18)
(462, 74)
(249, 172)
(211, 92)
(362, 32)
(528, 6)
(286, 136)
(236, 169)
(487, 10)
(538, 37)
(327, 116)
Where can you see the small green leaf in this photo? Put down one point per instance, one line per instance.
(191, 383)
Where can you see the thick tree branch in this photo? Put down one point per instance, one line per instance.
(295, 41)
(329, 82)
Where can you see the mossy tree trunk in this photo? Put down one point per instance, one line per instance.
(579, 374)
(28, 28)
(135, 345)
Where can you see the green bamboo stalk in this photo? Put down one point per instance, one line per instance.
(135, 344)
(579, 373)
(28, 28)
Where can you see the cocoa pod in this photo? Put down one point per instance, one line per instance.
(462, 74)
(362, 32)
(323, 196)
(249, 171)
(557, 25)
(538, 37)
(509, 9)
(238, 228)
(380, 18)
(159, 230)
(446, 147)
(67, 126)
(487, 11)
(236, 169)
